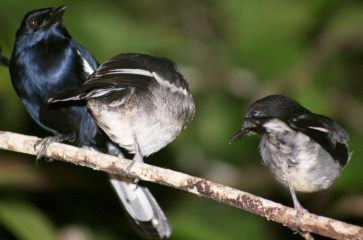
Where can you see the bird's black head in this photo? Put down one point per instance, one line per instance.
(273, 106)
(41, 23)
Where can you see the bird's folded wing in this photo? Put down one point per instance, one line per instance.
(332, 137)
(114, 75)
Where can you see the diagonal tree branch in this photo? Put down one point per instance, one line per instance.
(310, 223)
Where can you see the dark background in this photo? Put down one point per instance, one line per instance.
(232, 52)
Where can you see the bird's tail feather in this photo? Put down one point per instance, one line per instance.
(142, 209)
(3, 60)
(140, 205)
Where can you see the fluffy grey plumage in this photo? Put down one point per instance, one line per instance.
(142, 103)
(306, 152)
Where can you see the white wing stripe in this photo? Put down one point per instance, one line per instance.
(169, 85)
(146, 73)
(319, 129)
(86, 66)
(102, 91)
(131, 71)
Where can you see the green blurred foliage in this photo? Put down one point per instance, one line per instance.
(232, 52)
(20, 218)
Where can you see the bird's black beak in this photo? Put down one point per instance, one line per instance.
(55, 15)
(248, 129)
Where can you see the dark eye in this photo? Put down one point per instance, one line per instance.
(32, 23)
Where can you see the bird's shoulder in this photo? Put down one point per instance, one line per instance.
(88, 62)
(124, 71)
(315, 123)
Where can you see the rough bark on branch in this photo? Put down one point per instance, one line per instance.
(201, 187)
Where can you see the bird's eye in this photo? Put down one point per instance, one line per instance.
(32, 23)
(256, 113)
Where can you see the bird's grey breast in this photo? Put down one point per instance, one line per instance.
(309, 167)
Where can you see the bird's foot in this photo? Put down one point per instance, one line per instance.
(300, 211)
(44, 143)
(137, 158)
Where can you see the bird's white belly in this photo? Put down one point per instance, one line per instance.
(151, 132)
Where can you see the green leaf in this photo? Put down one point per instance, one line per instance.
(25, 222)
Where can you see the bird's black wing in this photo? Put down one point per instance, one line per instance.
(88, 61)
(120, 74)
(325, 131)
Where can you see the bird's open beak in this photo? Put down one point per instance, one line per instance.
(248, 129)
(55, 16)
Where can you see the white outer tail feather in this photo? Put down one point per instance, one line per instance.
(142, 207)
(133, 199)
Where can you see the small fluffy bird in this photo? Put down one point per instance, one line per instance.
(305, 151)
(140, 101)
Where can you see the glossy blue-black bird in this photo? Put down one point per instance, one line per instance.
(46, 60)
